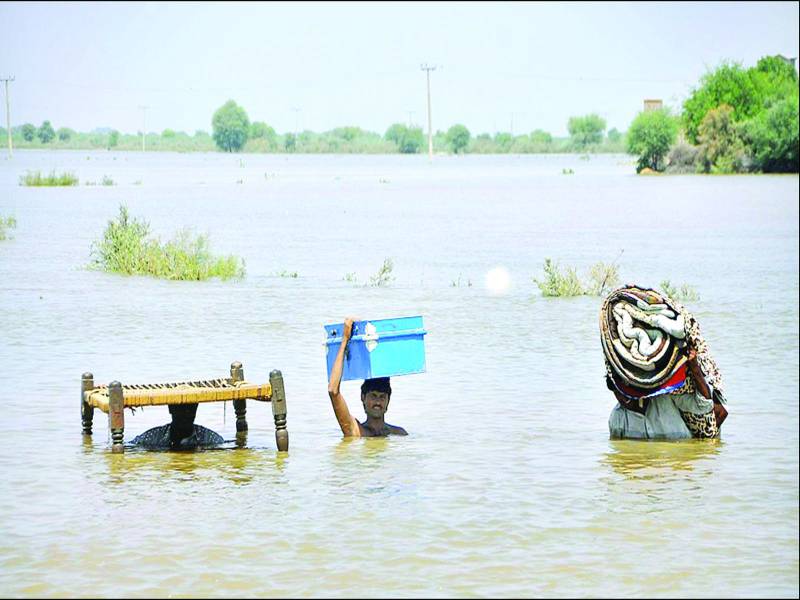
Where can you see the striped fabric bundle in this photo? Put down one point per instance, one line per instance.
(644, 336)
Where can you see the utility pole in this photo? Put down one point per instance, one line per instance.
(8, 116)
(296, 111)
(144, 124)
(427, 69)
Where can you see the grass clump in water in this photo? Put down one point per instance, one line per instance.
(384, 275)
(36, 179)
(556, 283)
(6, 223)
(127, 248)
(682, 294)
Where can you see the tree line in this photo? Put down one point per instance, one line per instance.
(735, 120)
(233, 132)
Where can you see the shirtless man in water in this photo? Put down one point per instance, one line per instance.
(375, 395)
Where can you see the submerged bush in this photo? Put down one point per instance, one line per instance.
(682, 294)
(556, 283)
(127, 248)
(35, 178)
(384, 275)
(602, 278)
(6, 223)
(682, 158)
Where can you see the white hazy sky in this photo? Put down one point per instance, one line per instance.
(319, 66)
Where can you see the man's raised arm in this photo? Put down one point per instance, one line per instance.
(347, 422)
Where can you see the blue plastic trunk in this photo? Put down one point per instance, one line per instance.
(381, 348)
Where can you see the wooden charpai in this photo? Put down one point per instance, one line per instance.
(113, 398)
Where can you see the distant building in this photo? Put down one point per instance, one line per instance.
(653, 105)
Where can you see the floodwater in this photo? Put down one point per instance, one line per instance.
(508, 484)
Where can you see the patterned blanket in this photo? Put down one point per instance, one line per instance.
(645, 335)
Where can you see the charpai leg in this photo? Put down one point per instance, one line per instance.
(279, 410)
(239, 406)
(116, 416)
(87, 412)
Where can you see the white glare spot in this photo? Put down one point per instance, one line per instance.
(498, 280)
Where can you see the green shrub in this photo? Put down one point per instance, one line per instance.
(721, 146)
(682, 158)
(685, 293)
(36, 179)
(384, 275)
(6, 223)
(556, 283)
(127, 248)
(772, 138)
(602, 278)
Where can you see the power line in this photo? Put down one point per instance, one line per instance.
(8, 115)
(427, 69)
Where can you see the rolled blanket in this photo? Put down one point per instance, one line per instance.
(644, 335)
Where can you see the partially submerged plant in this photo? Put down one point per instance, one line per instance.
(127, 248)
(36, 179)
(602, 279)
(682, 294)
(558, 284)
(6, 223)
(384, 275)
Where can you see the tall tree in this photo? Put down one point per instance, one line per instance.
(231, 127)
(46, 133)
(458, 137)
(28, 132)
(409, 140)
(650, 136)
(586, 131)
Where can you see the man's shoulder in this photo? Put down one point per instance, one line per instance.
(396, 430)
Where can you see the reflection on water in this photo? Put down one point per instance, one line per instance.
(647, 459)
(210, 466)
(507, 484)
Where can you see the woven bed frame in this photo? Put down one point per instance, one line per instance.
(113, 398)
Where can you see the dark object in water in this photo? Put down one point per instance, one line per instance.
(161, 438)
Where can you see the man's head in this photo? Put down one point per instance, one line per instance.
(375, 395)
(182, 420)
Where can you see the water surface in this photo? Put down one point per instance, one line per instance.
(508, 484)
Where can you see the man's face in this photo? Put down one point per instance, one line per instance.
(375, 403)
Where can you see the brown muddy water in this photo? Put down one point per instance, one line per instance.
(507, 485)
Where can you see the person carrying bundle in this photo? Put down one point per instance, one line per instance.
(658, 366)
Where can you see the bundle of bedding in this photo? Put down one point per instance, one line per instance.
(645, 335)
